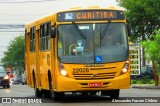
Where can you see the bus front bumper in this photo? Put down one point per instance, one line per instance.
(66, 84)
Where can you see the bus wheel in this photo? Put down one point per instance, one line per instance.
(58, 96)
(114, 94)
(93, 93)
(49, 93)
(84, 93)
(38, 93)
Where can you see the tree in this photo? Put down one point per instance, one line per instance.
(144, 17)
(152, 51)
(14, 56)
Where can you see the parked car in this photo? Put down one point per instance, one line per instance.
(4, 78)
(17, 79)
(24, 81)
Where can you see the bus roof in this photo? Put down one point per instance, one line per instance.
(52, 16)
(95, 7)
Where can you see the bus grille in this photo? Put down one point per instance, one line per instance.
(97, 76)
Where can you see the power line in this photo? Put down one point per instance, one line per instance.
(12, 25)
(10, 28)
(12, 31)
(25, 1)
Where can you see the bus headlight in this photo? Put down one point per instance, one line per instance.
(125, 67)
(62, 70)
(124, 70)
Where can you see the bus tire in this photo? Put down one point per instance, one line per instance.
(49, 93)
(84, 93)
(53, 94)
(37, 92)
(93, 93)
(114, 94)
(58, 96)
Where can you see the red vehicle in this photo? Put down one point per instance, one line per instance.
(9, 74)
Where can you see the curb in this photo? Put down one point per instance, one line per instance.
(145, 86)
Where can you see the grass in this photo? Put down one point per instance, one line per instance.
(143, 82)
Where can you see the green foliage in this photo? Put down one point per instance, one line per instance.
(143, 15)
(133, 81)
(139, 82)
(146, 80)
(143, 81)
(14, 56)
(152, 49)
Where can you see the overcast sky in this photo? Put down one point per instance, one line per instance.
(20, 12)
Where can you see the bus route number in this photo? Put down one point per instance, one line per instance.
(80, 70)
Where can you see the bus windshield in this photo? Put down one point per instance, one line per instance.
(96, 46)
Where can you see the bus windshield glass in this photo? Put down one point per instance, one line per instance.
(94, 46)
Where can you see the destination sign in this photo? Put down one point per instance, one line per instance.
(90, 15)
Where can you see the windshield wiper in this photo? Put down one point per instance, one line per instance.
(78, 30)
(105, 30)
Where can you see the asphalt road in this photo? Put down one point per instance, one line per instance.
(130, 96)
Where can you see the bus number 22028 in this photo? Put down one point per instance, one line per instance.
(80, 70)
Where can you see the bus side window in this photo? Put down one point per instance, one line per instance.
(48, 30)
(41, 37)
(32, 39)
(45, 36)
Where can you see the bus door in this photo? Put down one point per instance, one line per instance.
(38, 76)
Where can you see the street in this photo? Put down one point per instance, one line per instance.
(78, 100)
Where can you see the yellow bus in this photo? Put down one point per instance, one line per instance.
(82, 50)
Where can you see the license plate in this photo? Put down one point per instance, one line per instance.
(95, 84)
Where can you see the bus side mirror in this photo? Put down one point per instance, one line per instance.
(53, 32)
(128, 28)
